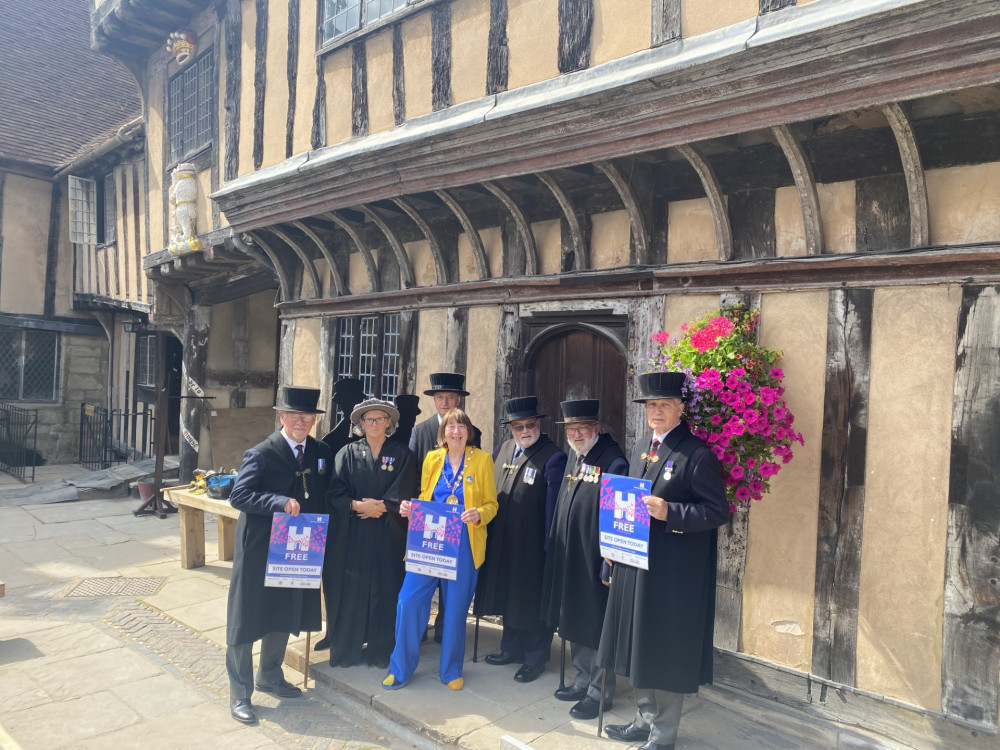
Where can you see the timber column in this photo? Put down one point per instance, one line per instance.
(192, 399)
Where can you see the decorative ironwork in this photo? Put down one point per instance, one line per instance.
(114, 436)
(18, 441)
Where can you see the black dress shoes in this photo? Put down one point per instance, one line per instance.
(499, 659)
(656, 746)
(242, 711)
(529, 673)
(626, 732)
(323, 643)
(588, 708)
(283, 689)
(571, 693)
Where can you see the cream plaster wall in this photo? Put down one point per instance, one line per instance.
(154, 142)
(548, 243)
(492, 240)
(64, 271)
(532, 41)
(263, 327)
(621, 27)
(337, 76)
(683, 308)
(305, 356)
(417, 64)
(26, 207)
(701, 16)
(480, 375)
(779, 579)
(305, 81)
(609, 239)
(470, 32)
(143, 218)
(204, 203)
(964, 204)
(220, 340)
(691, 232)
(789, 227)
(357, 275)
(247, 92)
(422, 259)
(431, 329)
(900, 607)
(379, 51)
(838, 215)
(276, 94)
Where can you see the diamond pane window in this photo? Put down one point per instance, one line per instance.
(191, 101)
(28, 364)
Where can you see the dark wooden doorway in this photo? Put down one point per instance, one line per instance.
(570, 361)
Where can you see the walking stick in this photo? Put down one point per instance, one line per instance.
(305, 679)
(600, 710)
(562, 665)
(475, 643)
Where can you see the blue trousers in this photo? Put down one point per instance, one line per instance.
(414, 608)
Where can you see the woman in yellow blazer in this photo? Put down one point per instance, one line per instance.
(454, 473)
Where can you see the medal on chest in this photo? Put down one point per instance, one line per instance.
(529, 475)
(668, 471)
(387, 463)
(591, 474)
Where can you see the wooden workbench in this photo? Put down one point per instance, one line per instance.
(192, 509)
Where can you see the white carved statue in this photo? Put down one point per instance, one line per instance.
(184, 210)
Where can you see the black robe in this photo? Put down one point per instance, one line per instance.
(368, 567)
(510, 580)
(267, 478)
(573, 597)
(660, 623)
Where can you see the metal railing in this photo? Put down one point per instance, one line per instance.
(18, 441)
(114, 436)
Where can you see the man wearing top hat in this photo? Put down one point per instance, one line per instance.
(573, 594)
(447, 389)
(529, 470)
(660, 622)
(287, 473)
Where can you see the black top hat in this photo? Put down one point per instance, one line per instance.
(581, 410)
(408, 402)
(660, 385)
(447, 382)
(299, 399)
(525, 407)
(348, 390)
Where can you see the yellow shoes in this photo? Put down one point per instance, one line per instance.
(391, 683)
(457, 684)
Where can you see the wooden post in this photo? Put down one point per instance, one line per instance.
(193, 396)
(156, 504)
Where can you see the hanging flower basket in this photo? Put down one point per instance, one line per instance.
(735, 399)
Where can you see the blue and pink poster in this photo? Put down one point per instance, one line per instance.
(432, 543)
(624, 524)
(295, 557)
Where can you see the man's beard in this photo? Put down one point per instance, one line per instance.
(585, 449)
(525, 444)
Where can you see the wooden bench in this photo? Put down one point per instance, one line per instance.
(192, 508)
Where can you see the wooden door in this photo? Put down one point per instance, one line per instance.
(573, 364)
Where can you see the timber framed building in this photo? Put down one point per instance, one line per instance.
(526, 190)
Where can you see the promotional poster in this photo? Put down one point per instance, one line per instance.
(624, 524)
(432, 543)
(295, 557)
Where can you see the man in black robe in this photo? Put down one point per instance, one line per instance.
(660, 622)
(447, 389)
(573, 594)
(529, 471)
(287, 473)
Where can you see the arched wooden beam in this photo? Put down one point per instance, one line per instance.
(523, 229)
(640, 230)
(913, 170)
(569, 211)
(716, 199)
(268, 260)
(307, 263)
(805, 186)
(338, 279)
(440, 267)
(405, 267)
(288, 285)
(478, 251)
(366, 254)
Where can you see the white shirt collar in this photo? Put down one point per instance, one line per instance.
(292, 443)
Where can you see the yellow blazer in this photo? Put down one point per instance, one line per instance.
(480, 491)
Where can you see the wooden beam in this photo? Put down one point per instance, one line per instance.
(913, 170)
(359, 89)
(338, 280)
(576, 22)
(475, 241)
(751, 213)
(193, 412)
(569, 214)
(805, 186)
(291, 74)
(881, 215)
(366, 253)
(637, 218)
(51, 248)
(440, 56)
(523, 228)
(440, 267)
(666, 21)
(259, 81)
(287, 288)
(497, 51)
(234, 52)
(307, 264)
(398, 76)
(405, 267)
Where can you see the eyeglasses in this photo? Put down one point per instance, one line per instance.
(374, 420)
(581, 430)
(299, 417)
(526, 427)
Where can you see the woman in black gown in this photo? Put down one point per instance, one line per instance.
(371, 477)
